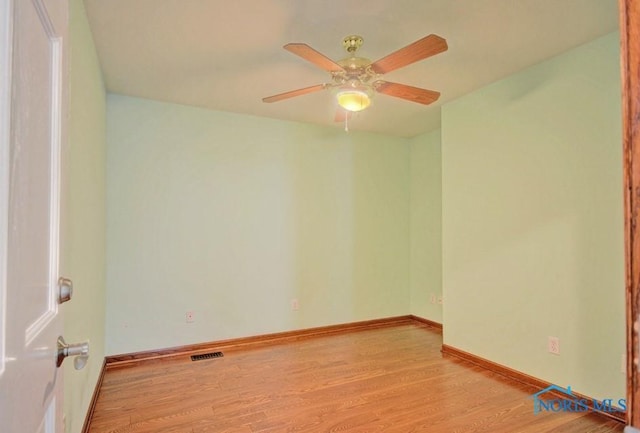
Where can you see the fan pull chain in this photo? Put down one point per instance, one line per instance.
(346, 123)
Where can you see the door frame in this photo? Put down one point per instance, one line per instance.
(630, 73)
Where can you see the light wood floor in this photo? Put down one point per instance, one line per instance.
(391, 379)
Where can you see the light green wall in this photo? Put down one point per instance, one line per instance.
(533, 223)
(233, 216)
(85, 217)
(425, 242)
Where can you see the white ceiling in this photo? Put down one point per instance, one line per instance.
(227, 54)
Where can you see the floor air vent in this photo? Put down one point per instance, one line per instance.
(207, 356)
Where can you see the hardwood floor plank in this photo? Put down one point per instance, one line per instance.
(388, 379)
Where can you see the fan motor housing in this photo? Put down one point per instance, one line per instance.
(354, 67)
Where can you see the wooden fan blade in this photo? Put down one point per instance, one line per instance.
(313, 56)
(292, 93)
(342, 115)
(410, 93)
(419, 50)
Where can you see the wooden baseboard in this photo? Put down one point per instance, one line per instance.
(430, 323)
(266, 339)
(518, 376)
(94, 398)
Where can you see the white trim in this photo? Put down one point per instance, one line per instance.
(6, 49)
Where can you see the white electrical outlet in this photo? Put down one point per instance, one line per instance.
(554, 345)
(433, 298)
(191, 316)
(295, 306)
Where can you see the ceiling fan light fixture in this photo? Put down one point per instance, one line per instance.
(353, 99)
(354, 95)
(356, 79)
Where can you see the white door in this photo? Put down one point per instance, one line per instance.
(34, 77)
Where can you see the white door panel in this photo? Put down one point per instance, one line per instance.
(33, 105)
(35, 162)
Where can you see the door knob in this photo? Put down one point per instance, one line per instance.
(80, 351)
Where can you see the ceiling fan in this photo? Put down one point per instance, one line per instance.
(356, 79)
